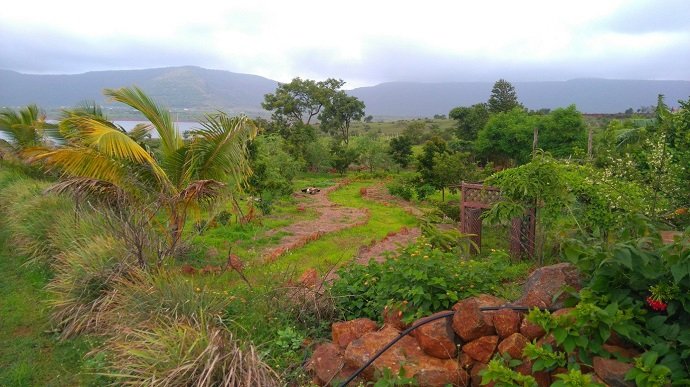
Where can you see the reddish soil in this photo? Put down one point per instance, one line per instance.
(383, 248)
(379, 193)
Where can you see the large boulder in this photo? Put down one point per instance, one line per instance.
(344, 332)
(406, 353)
(513, 345)
(481, 349)
(612, 372)
(506, 322)
(327, 364)
(437, 338)
(469, 322)
(545, 283)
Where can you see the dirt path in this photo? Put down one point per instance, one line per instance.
(390, 243)
(379, 193)
(332, 218)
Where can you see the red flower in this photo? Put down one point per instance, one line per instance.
(656, 305)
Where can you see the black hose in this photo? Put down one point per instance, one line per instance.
(424, 322)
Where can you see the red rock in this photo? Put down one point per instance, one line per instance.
(481, 349)
(487, 300)
(475, 378)
(344, 332)
(506, 322)
(188, 269)
(543, 378)
(548, 339)
(328, 365)
(513, 345)
(611, 371)
(437, 338)
(531, 331)
(567, 312)
(469, 322)
(406, 353)
(548, 281)
(465, 361)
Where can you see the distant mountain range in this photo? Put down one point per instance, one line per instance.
(202, 89)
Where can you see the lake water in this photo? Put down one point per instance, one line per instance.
(183, 126)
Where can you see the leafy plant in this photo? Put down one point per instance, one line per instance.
(575, 378)
(289, 339)
(647, 372)
(387, 378)
(543, 357)
(422, 278)
(498, 372)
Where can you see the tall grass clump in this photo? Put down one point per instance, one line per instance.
(143, 296)
(186, 352)
(30, 216)
(72, 227)
(81, 287)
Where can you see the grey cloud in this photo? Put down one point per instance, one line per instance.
(650, 16)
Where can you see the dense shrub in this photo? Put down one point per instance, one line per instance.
(421, 281)
(401, 189)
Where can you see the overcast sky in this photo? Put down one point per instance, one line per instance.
(362, 42)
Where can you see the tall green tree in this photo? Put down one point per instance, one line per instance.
(561, 131)
(300, 101)
(469, 120)
(400, 149)
(338, 114)
(503, 97)
(102, 161)
(506, 136)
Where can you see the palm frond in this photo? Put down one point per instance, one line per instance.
(80, 161)
(113, 143)
(200, 191)
(629, 136)
(86, 188)
(219, 149)
(171, 140)
(140, 132)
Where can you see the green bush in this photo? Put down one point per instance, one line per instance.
(450, 209)
(401, 190)
(421, 281)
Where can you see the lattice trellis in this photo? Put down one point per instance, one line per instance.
(476, 198)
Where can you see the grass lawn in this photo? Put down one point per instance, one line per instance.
(30, 355)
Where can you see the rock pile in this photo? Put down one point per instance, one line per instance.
(453, 350)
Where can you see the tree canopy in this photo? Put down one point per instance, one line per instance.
(503, 97)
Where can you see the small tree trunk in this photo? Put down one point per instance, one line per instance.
(535, 141)
(590, 139)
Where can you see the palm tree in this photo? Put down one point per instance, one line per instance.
(100, 159)
(23, 128)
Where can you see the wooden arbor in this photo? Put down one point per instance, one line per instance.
(476, 198)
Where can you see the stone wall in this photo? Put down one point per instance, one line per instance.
(453, 350)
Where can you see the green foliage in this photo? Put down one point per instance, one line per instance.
(470, 120)
(401, 189)
(316, 155)
(647, 372)
(584, 330)
(273, 168)
(387, 378)
(400, 149)
(575, 378)
(498, 372)
(289, 339)
(420, 281)
(543, 357)
(339, 113)
(507, 135)
(372, 153)
(342, 156)
(561, 131)
(503, 98)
